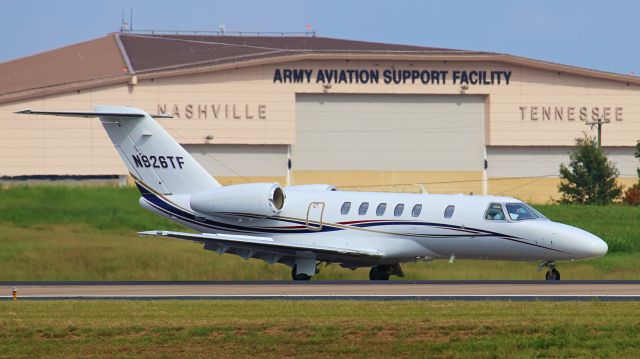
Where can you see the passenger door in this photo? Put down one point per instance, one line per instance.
(315, 211)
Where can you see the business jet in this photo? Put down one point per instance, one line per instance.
(307, 225)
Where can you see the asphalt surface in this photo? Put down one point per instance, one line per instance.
(350, 290)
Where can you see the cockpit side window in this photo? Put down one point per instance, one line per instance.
(494, 212)
(520, 212)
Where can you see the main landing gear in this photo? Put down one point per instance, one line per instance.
(299, 276)
(379, 273)
(304, 268)
(382, 272)
(552, 273)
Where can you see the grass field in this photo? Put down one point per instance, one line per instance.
(331, 329)
(89, 233)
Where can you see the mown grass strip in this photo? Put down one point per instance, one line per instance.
(317, 328)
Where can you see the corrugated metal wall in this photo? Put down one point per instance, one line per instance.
(545, 161)
(389, 132)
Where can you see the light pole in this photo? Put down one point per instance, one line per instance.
(598, 123)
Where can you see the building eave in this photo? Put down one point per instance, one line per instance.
(318, 56)
(501, 58)
(63, 88)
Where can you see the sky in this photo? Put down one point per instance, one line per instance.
(593, 34)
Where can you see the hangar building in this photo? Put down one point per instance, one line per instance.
(307, 109)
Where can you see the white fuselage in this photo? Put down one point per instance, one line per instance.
(317, 217)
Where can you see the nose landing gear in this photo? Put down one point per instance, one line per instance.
(552, 273)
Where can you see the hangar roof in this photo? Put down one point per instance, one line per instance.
(117, 57)
(78, 63)
(162, 52)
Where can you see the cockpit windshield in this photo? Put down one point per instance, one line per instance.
(521, 212)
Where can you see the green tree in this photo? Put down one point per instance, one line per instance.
(590, 177)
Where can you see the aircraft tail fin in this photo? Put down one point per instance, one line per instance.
(149, 152)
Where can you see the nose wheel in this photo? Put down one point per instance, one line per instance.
(552, 273)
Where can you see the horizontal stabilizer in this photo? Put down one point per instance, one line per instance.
(124, 114)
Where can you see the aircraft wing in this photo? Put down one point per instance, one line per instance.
(266, 248)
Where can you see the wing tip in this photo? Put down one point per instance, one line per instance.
(153, 233)
(161, 115)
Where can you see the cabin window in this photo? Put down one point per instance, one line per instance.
(448, 212)
(398, 210)
(494, 212)
(520, 212)
(345, 208)
(381, 208)
(415, 212)
(364, 207)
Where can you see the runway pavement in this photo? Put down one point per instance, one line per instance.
(324, 290)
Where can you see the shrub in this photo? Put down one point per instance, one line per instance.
(632, 195)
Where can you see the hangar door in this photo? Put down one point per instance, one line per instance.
(389, 132)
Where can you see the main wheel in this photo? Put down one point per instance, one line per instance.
(379, 273)
(300, 276)
(552, 274)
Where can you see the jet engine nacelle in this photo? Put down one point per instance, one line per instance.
(266, 199)
(314, 187)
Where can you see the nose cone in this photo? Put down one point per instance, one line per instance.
(596, 247)
(586, 244)
(579, 243)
